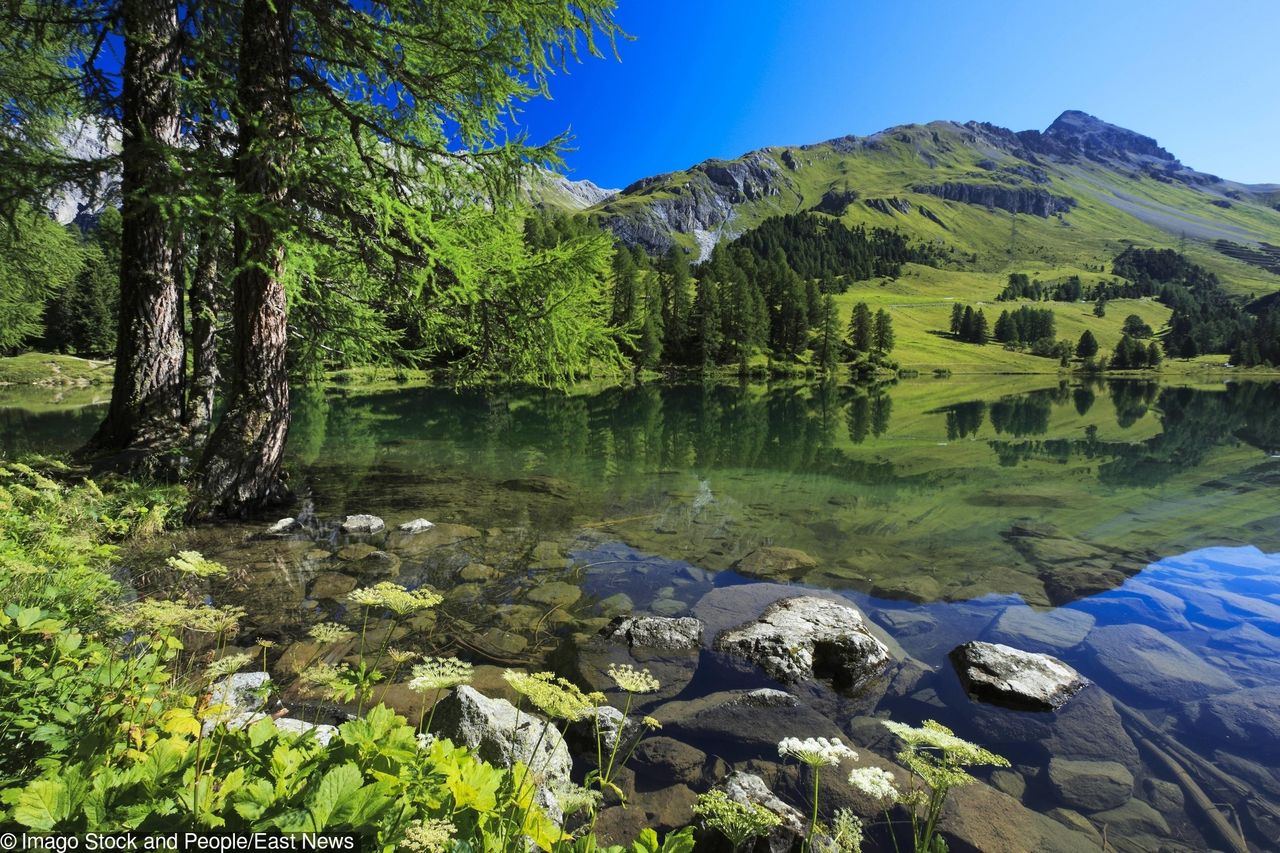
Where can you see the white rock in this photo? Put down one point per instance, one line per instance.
(1002, 674)
(284, 525)
(363, 524)
(418, 525)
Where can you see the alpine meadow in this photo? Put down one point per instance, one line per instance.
(403, 448)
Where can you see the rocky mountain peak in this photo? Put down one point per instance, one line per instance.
(1096, 139)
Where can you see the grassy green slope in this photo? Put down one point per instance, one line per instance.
(982, 246)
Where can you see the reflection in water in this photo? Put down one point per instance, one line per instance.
(946, 512)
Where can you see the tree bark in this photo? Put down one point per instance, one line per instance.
(204, 318)
(147, 394)
(240, 471)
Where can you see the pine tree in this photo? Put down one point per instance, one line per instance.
(626, 287)
(1004, 331)
(1100, 307)
(1154, 356)
(964, 329)
(706, 322)
(828, 344)
(980, 332)
(957, 318)
(676, 305)
(861, 332)
(1087, 347)
(884, 332)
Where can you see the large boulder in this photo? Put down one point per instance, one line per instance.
(808, 637)
(1090, 786)
(1148, 663)
(495, 731)
(655, 632)
(1007, 676)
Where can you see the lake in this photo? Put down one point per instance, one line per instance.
(1129, 528)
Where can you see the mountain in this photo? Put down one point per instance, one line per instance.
(1071, 195)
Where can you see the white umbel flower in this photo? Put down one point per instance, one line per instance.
(816, 752)
(875, 783)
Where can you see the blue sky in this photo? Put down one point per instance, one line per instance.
(717, 78)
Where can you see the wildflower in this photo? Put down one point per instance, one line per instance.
(425, 739)
(399, 656)
(633, 680)
(329, 632)
(395, 598)
(158, 615)
(551, 695)
(264, 643)
(322, 675)
(227, 665)
(651, 723)
(816, 752)
(194, 563)
(427, 836)
(846, 831)
(737, 822)
(575, 798)
(875, 783)
(439, 673)
(956, 751)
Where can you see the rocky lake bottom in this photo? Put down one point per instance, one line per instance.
(1127, 530)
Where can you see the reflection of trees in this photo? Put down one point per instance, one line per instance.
(1083, 398)
(965, 419)
(1132, 399)
(1024, 414)
(1193, 422)
(24, 432)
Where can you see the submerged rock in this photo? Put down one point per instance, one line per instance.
(1004, 675)
(656, 632)
(979, 819)
(1246, 721)
(1090, 786)
(1147, 662)
(739, 724)
(284, 525)
(768, 561)
(807, 637)
(1040, 631)
(670, 758)
(363, 523)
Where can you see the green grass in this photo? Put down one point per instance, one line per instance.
(34, 368)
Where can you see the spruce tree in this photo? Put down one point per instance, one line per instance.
(884, 332)
(1087, 346)
(676, 304)
(957, 318)
(828, 344)
(980, 332)
(861, 332)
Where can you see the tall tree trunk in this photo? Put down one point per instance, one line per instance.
(147, 395)
(241, 467)
(204, 316)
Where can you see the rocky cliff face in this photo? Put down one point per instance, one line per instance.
(1034, 201)
(702, 205)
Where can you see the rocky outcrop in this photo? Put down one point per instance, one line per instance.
(809, 637)
(888, 206)
(1007, 676)
(1076, 132)
(1036, 202)
(656, 632)
(836, 202)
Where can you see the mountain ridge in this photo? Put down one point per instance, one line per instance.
(1082, 185)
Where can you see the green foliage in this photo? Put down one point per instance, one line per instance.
(1088, 345)
(83, 316)
(737, 822)
(38, 259)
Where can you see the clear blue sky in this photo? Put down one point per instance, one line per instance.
(717, 78)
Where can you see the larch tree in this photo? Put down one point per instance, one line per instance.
(372, 164)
